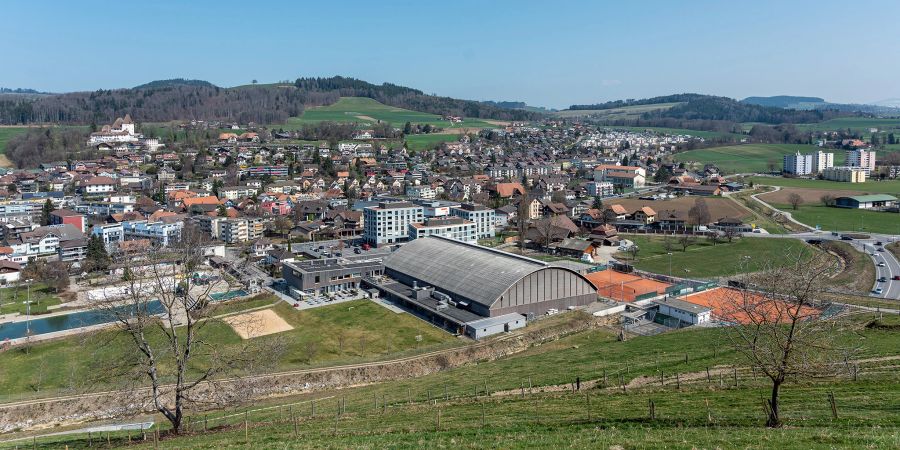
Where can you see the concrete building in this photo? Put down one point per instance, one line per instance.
(599, 188)
(111, 234)
(487, 282)
(319, 276)
(484, 218)
(159, 233)
(388, 223)
(845, 174)
(822, 161)
(61, 216)
(448, 227)
(863, 159)
(798, 164)
(686, 312)
(422, 191)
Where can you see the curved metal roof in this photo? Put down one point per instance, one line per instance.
(477, 273)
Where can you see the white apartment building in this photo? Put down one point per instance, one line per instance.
(448, 227)
(236, 192)
(388, 222)
(822, 160)
(160, 233)
(422, 191)
(864, 159)
(111, 234)
(798, 164)
(845, 174)
(484, 218)
(599, 188)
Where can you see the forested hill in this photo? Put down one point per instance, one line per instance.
(692, 107)
(180, 99)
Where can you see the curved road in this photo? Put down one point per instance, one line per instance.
(886, 264)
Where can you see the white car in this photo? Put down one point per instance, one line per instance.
(881, 264)
(878, 291)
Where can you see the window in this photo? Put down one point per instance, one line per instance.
(317, 278)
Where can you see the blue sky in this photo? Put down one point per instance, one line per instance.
(551, 53)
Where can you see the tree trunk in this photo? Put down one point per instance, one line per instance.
(774, 421)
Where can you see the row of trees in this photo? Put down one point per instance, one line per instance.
(40, 145)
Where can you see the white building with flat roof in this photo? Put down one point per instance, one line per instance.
(863, 159)
(388, 223)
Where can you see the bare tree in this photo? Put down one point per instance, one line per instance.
(795, 200)
(685, 241)
(161, 316)
(699, 213)
(668, 243)
(522, 217)
(828, 200)
(729, 233)
(778, 326)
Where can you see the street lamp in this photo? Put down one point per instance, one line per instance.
(28, 309)
(670, 264)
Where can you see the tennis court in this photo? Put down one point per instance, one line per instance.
(625, 287)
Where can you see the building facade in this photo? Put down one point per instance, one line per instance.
(485, 219)
(449, 227)
(388, 223)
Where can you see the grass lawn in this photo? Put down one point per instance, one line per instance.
(856, 124)
(419, 142)
(633, 111)
(367, 111)
(748, 158)
(705, 260)
(705, 413)
(871, 187)
(370, 332)
(7, 133)
(843, 219)
(12, 298)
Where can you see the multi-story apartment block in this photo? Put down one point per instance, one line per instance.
(798, 164)
(845, 174)
(484, 218)
(388, 222)
(448, 227)
(864, 159)
(159, 233)
(822, 160)
(599, 188)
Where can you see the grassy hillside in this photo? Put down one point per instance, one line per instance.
(749, 157)
(858, 124)
(532, 403)
(370, 332)
(427, 141)
(367, 111)
(684, 131)
(705, 260)
(7, 133)
(625, 112)
(871, 187)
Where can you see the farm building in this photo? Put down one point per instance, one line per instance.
(452, 283)
(866, 201)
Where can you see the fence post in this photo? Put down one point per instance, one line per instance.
(735, 377)
(708, 378)
(482, 414)
(652, 407)
(833, 402)
(588, 398)
(678, 381)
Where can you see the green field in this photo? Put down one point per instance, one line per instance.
(843, 219)
(450, 409)
(748, 158)
(419, 142)
(370, 332)
(705, 260)
(7, 133)
(366, 111)
(855, 124)
(625, 112)
(683, 131)
(12, 299)
(871, 187)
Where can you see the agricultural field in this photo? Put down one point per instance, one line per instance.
(625, 112)
(7, 133)
(366, 111)
(528, 400)
(843, 219)
(856, 124)
(418, 142)
(749, 158)
(870, 187)
(348, 332)
(719, 207)
(704, 259)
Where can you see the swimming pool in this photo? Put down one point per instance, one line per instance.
(228, 295)
(64, 322)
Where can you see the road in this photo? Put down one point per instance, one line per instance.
(890, 288)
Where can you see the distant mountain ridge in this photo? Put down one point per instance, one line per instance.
(182, 99)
